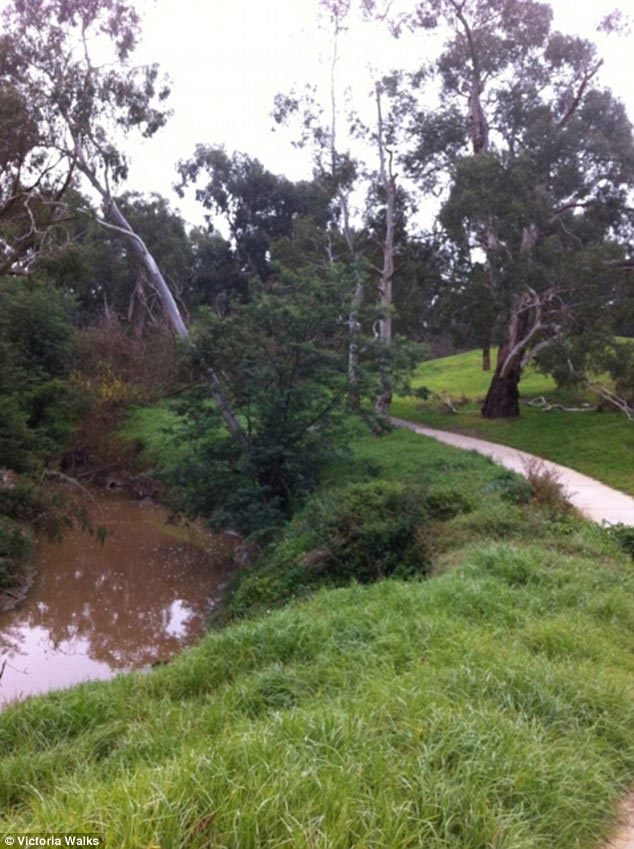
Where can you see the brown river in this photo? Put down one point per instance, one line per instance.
(97, 609)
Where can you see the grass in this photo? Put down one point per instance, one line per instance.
(461, 375)
(153, 429)
(598, 444)
(491, 706)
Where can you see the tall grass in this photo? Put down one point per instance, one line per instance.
(491, 706)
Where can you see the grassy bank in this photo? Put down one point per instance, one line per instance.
(598, 444)
(490, 705)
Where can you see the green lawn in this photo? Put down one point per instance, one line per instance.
(598, 444)
(461, 376)
(489, 706)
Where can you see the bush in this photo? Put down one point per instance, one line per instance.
(36, 346)
(446, 502)
(546, 488)
(510, 488)
(371, 530)
(363, 532)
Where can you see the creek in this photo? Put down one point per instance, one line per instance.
(100, 608)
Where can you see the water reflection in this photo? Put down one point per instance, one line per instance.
(98, 609)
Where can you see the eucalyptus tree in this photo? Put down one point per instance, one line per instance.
(354, 153)
(34, 178)
(319, 114)
(99, 267)
(85, 107)
(539, 160)
(257, 206)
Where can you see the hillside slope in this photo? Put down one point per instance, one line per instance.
(490, 705)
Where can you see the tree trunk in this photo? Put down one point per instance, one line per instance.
(354, 397)
(148, 263)
(503, 398)
(384, 397)
(486, 353)
(388, 181)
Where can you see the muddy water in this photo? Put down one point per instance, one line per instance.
(99, 609)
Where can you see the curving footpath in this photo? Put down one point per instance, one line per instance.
(594, 499)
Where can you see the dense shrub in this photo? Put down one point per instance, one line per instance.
(37, 405)
(115, 364)
(446, 502)
(510, 488)
(362, 532)
(370, 530)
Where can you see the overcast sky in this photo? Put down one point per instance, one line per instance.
(228, 58)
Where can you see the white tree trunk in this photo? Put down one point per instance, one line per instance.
(119, 222)
(388, 182)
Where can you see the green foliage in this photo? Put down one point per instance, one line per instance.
(386, 518)
(618, 360)
(511, 488)
(446, 502)
(283, 361)
(624, 537)
(369, 531)
(260, 207)
(37, 405)
(101, 268)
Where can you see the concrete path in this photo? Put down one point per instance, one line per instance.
(595, 500)
(624, 836)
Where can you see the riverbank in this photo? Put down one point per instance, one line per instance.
(486, 704)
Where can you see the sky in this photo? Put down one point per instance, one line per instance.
(228, 58)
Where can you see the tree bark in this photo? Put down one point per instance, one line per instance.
(503, 398)
(388, 181)
(486, 353)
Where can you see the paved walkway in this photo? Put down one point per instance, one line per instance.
(595, 500)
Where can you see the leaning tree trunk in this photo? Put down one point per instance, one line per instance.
(503, 398)
(119, 223)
